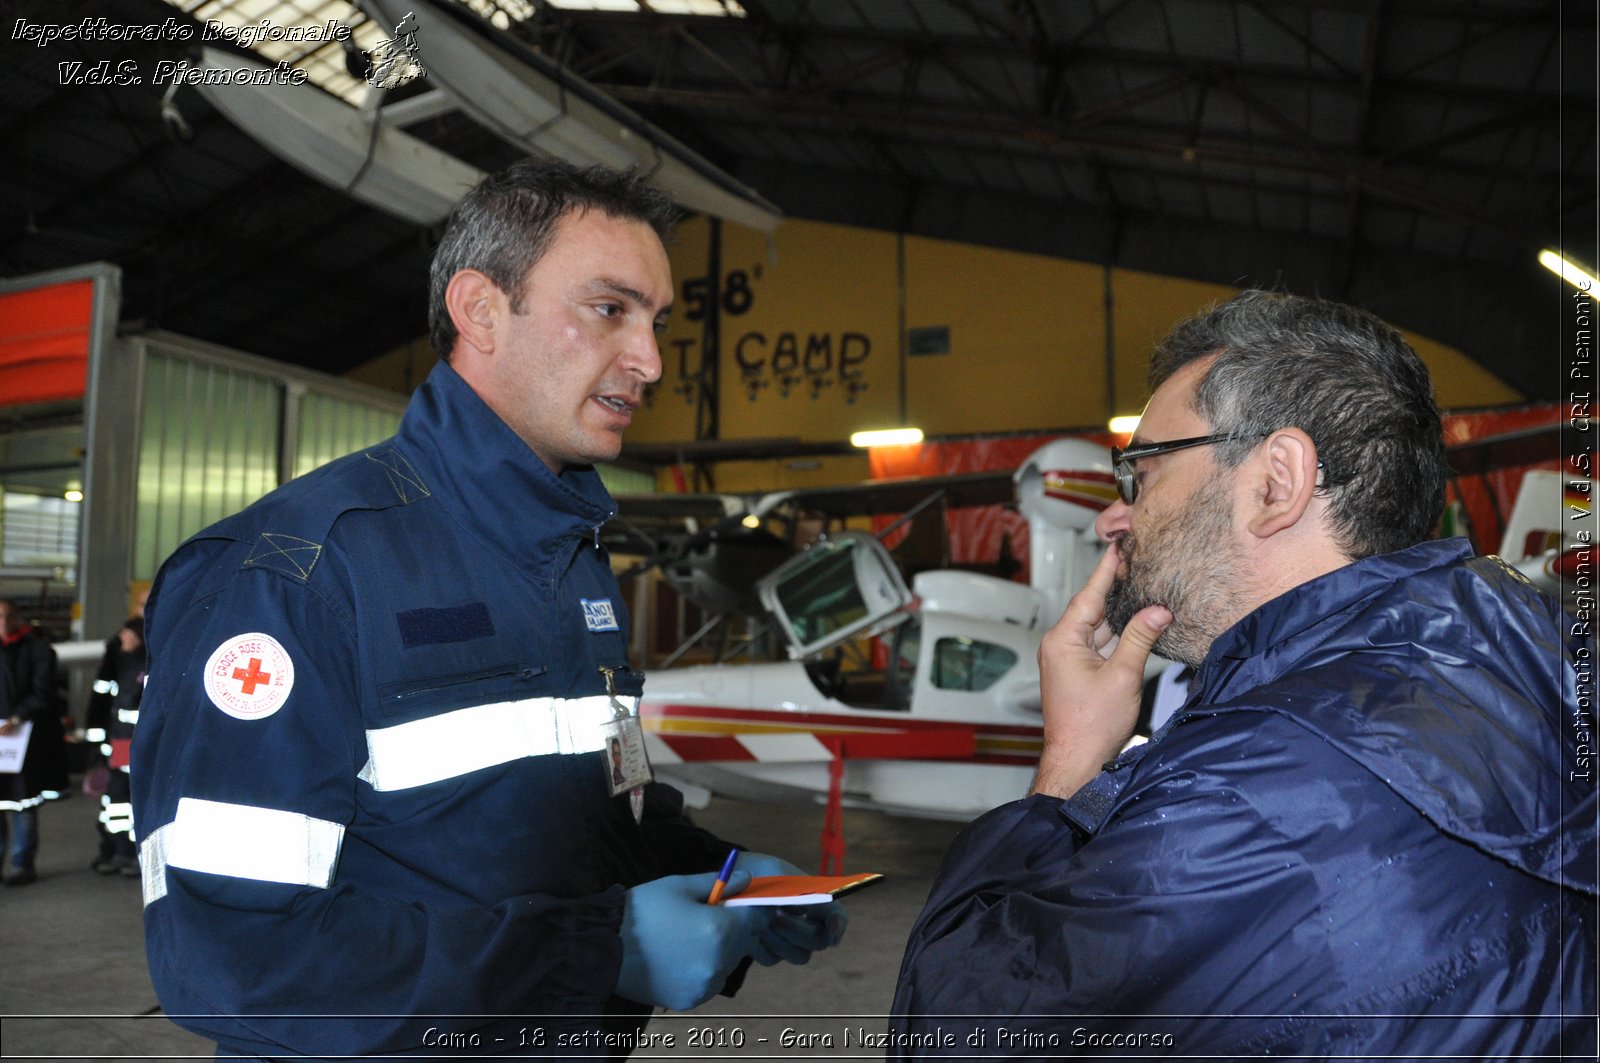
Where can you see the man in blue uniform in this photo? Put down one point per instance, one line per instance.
(375, 804)
(1369, 831)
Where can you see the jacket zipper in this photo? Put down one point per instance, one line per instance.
(522, 673)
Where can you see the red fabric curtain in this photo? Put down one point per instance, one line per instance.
(44, 343)
(1487, 498)
(976, 532)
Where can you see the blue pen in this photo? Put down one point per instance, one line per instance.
(723, 876)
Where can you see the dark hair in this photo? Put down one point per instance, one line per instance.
(1345, 378)
(505, 224)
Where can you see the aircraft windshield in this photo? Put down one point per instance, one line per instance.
(833, 591)
(823, 598)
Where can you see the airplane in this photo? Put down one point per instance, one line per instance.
(1550, 538)
(944, 723)
(924, 700)
(1549, 535)
(713, 549)
(702, 544)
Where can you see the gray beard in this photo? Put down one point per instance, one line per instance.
(1193, 577)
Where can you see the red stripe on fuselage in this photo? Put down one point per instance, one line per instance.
(822, 722)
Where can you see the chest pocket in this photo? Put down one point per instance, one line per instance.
(596, 618)
(430, 695)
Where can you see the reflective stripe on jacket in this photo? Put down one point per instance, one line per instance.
(422, 826)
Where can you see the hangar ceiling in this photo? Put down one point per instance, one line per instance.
(1410, 156)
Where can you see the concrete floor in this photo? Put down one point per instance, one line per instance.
(75, 985)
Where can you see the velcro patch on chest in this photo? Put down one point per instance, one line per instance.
(598, 614)
(433, 627)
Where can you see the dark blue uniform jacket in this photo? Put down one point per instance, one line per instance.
(1371, 832)
(419, 826)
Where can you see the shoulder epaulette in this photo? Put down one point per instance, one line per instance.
(286, 529)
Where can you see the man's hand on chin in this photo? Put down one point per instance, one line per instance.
(1089, 681)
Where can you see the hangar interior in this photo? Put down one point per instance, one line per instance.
(969, 216)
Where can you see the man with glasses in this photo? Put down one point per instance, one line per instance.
(1367, 833)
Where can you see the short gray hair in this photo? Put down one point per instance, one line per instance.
(1344, 377)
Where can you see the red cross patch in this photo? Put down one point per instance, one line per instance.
(249, 676)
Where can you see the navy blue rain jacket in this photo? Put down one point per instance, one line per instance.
(1371, 832)
(382, 852)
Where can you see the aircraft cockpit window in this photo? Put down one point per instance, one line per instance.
(824, 598)
(969, 664)
(839, 588)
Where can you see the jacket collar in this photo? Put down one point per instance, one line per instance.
(1465, 709)
(1266, 644)
(1262, 642)
(492, 483)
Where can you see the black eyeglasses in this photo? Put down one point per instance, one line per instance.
(1122, 460)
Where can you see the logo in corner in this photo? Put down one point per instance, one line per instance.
(394, 62)
(598, 614)
(249, 676)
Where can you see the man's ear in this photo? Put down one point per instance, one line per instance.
(476, 305)
(1285, 477)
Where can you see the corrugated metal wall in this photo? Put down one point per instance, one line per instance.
(333, 427)
(217, 428)
(208, 447)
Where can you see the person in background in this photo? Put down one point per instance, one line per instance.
(112, 715)
(373, 778)
(28, 696)
(1367, 832)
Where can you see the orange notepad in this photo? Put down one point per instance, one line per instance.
(800, 889)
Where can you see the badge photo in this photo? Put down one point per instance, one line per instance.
(249, 676)
(627, 765)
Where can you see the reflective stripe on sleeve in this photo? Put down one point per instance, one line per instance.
(241, 841)
(455, 743)
(116, 816)
(153, 865)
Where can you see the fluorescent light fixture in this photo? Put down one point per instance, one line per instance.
(1123, 424)
(595, 5)
(711, 8)
(886, 437)
(1561, 267)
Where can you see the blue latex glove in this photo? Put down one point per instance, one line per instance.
(797, 932)
(677, 951)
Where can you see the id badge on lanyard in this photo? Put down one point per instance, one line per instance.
(627, 765)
